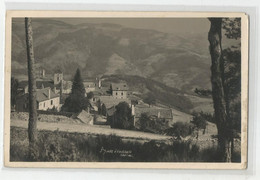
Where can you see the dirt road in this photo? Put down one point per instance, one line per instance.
(81, 128)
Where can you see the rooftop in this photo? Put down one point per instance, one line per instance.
(45, 94)
(89, 84)
(119, 86)
(153, 111)
(110, 101)
(39, 84)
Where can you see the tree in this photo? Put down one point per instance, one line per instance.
(144, 120)
(199, 120)
(90, 95)
(232, 76)
(32, 126)
(232, 72)
(217, 76)
(76, 101)
(122, 117)
(103, 110)
(180, 129)
(14, 91)
(232, 86)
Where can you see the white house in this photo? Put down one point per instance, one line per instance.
(47, 99)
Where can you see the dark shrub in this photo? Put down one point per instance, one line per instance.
(122, 117)
(180, 129)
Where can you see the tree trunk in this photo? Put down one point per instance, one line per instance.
(224, 140)
(32, 126)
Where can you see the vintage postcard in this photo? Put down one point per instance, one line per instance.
(126, 89)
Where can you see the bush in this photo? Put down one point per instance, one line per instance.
(203, 92)
(180, 129)
(153, 124)
(144, 120)
(122, 117)
(200, 119)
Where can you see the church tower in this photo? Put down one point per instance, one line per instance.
(58, 78)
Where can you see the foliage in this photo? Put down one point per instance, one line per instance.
(232, 27)
(232, 86)
(14, 91)
(74, 147)
(76, 101)
(90, 95)
(200, 119)
(103, 110)
(151, 124)
(144, 119)
(203, 92)
(122, 117)
(224, 77)
(54, 109)
(180, 129)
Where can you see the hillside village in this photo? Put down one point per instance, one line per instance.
(52, 92)
(100, 89)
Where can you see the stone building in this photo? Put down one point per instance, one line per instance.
(119, 90)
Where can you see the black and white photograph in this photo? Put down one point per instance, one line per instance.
(133, 89)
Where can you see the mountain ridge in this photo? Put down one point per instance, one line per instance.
(178, 61)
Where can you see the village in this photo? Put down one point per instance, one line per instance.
(103, 97)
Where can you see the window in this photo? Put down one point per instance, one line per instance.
(43, 104)
(122, 94)
(116, 93)
(51, 102)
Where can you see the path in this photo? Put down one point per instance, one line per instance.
(81, 128)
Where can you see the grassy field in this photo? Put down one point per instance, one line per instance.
(67, 147)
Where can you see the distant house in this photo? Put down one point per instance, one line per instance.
(106, 103)
(40, 72)
(109, 101)
(58, 77)
(90, 86)
(46, 99)
(23, 86)
(119, 90)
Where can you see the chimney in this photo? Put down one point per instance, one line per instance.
(99, 83)
(49, 93)
(61, 90)
(159, 114)
(133, 113)
(133, 110)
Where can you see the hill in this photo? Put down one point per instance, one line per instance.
(142, 87)
(176, 60)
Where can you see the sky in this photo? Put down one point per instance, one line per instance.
(167, 25)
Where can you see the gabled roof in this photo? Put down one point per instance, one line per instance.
(89, 84)
(39, 84)
(58, 71)
(110, 101)
(119, 86)
(43, 94)
(153, 111)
